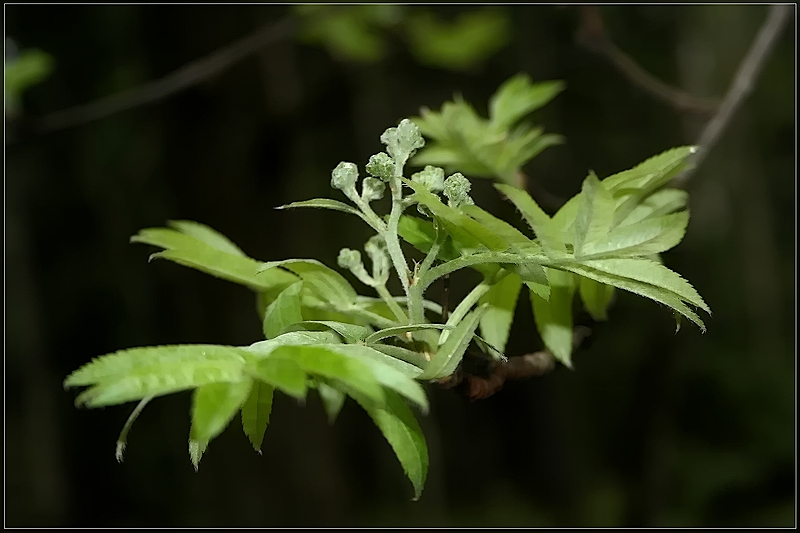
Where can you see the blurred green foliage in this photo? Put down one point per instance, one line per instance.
(30, 67)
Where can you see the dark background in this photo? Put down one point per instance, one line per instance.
(652, 428)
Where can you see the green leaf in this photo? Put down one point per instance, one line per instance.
(256, 411)
(535, 217)
(398, 331)
(655, 171)
(421, 235)
(189, 251)
(647, 271)
(501, 301)
(499, 227)
(646, 237)
(389, 372)
(660, 203)
(563, 222)
(458, 224)
(263, 349)
(449, 354)
(659, 294)
(349, 332)
(207, 235)
(328, 363)
(325, 203)
(596, 297)
(282, 373)
(123, 435)
(402, 431)
(595, 215)
(518, 97)
(136, 373)
(459, 45)
(323, 281)
(213, 407)
(284, 311)
(332, 400)
(553, 317)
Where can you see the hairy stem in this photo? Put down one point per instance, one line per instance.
(480, 258)
(392, 241)
(415, 300)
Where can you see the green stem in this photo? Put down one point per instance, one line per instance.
(387, 297)
(468, 302)
(416, 291)
(476, 259)
(393, 242)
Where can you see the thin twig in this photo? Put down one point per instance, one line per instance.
(593, 35)
(742, 86)
(186, 76)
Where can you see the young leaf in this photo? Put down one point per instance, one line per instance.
(133, 374)
(284, 311)
(351, 333)
(421, 235)
(449, 354)
(325, 203)
(646, 237)
(554, 317)
(649, 272)
(213, 407)
(535, 217)
(499, 227)
(392, 374)
(501, 301)
(660, 203)
(263, 349)
(563, 222)
(594, 217)
(123, 435)
(326, 362)
(398, 331)
(458, 223)
(332, 400)
(256, 411)
(654, 171)
(659, 294)
(191, 252)
(324, 282)
(518, 97)
(595, 296)
(282, 373)
(207, 235)
(402, 431)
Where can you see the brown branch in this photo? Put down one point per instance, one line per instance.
(183, 78)
(592, 34)
(741, 87)
(516, 368)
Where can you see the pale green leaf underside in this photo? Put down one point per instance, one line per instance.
(398, 331)
(332, 400)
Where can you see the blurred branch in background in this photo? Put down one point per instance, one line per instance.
(183, 78)
(592, 34)
(741, 87)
